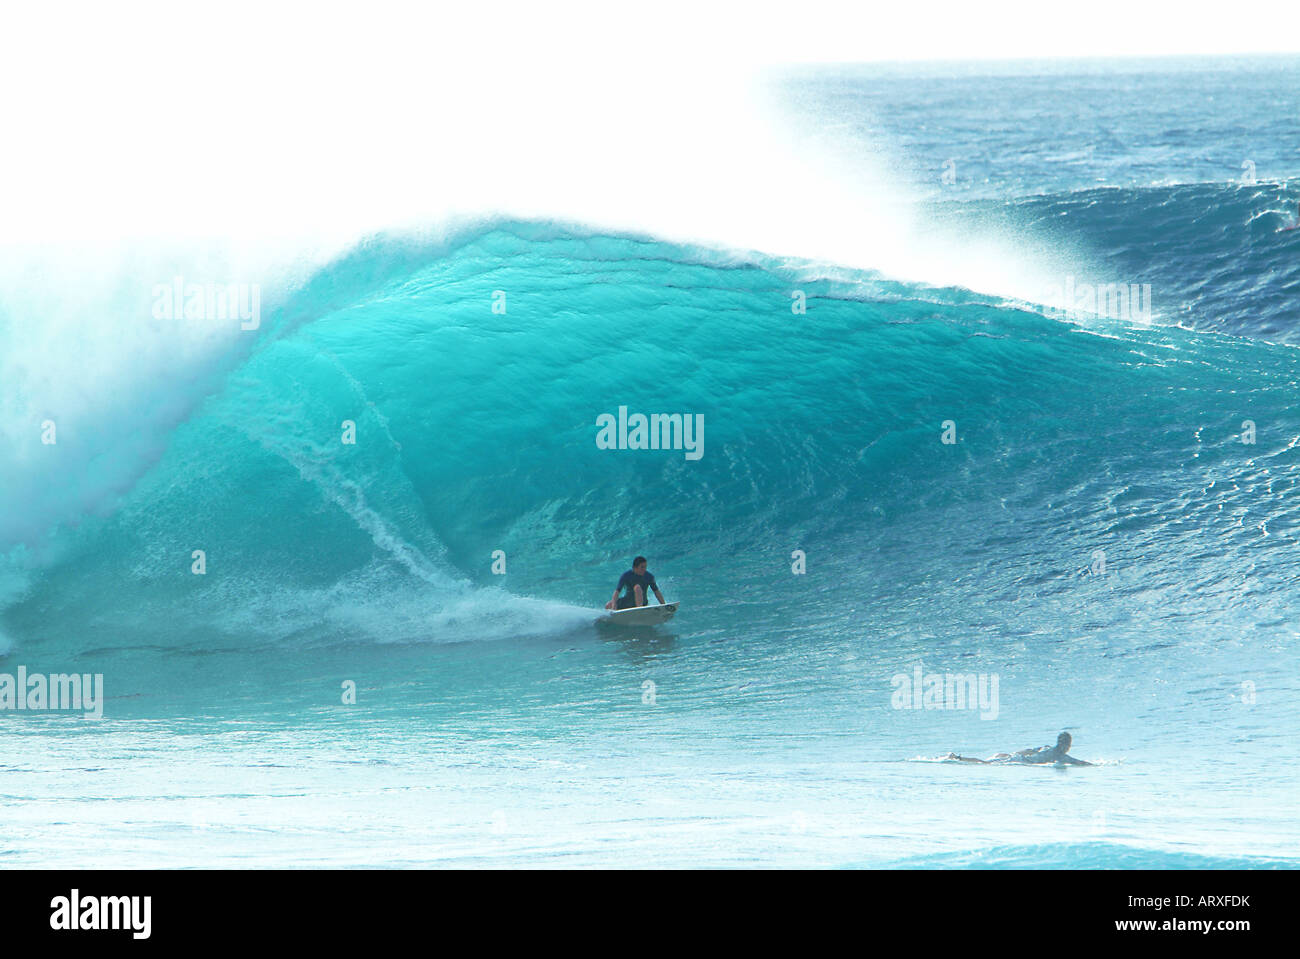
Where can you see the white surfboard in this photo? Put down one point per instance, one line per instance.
(640, 615)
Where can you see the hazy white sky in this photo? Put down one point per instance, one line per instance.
(833, 31)
(239, 117)
(226, 33)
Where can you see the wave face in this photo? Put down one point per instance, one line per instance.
(476, 431)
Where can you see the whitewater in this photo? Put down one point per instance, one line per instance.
(915, 461)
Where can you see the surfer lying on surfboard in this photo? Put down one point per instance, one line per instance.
(637, 582)
(1037, 757)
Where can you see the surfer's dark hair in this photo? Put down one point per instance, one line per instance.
(638, 561)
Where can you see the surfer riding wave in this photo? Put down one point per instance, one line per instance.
(638, 582)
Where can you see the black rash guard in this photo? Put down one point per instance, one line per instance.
(631, 580)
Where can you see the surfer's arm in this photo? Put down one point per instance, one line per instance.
(658, 595)
(1070, 760)
(613, 601)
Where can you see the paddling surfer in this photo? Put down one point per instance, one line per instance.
(1043, 755)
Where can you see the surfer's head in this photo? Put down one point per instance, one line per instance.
(1063, 742)
(638, 565)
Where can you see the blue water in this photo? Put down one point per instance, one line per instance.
(494, 724)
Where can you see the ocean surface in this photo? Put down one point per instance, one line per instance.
(1096, 509)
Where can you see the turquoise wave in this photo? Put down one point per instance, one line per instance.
(475, 373)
